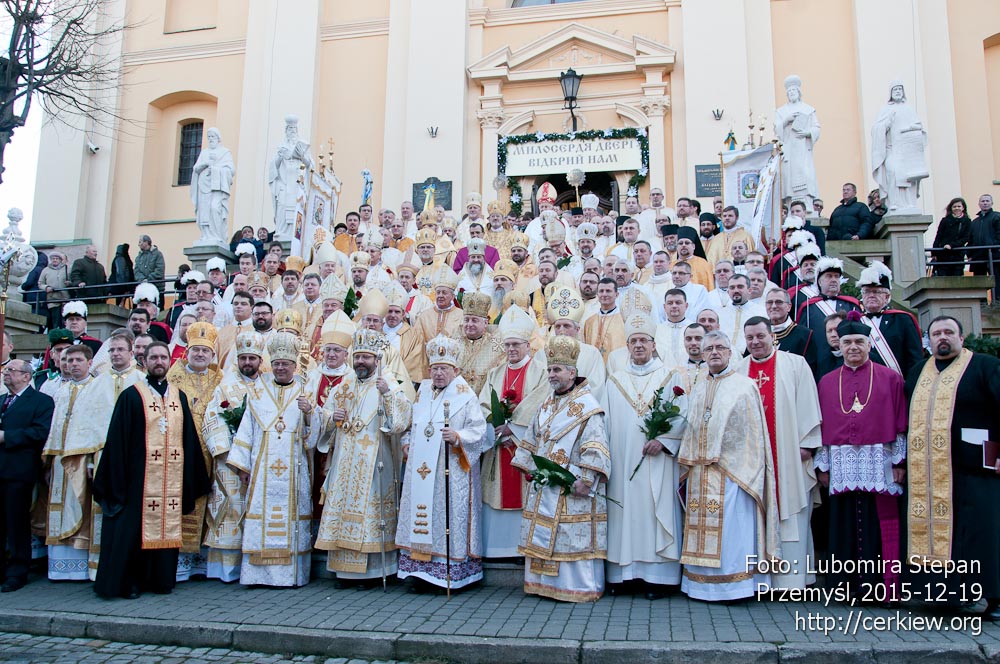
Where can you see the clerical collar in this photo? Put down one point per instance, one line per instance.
(82, 381)
(696, 363)
(188, 368)
(520, 363)
(336, 371)
(681, 323)
(241, 323)
(781, 327)
(392, 330)
(122, 371)
(448, 308)
(644, 369)
(609, 311)
(859, 367)
(159, 385)
(837, 353)
(756, 361)
(728, 371)
(729, 230)
(284, 384)
(659, 278)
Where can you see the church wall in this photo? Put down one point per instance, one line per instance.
(974, 31)
(339, 12)
(185, 23)
(815, 39)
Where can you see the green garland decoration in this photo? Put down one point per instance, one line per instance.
(516, 195)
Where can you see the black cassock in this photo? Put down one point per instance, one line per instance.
(125, 568)
(975, 490)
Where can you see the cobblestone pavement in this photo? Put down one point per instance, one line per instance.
(57, 649)
(318, 619)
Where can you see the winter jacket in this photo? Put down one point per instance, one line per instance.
(90, 272)
(150, 266)
(850, 218)
(55, 278)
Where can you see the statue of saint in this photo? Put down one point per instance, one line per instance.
(211, 182)
(283, 176)
(898, 144)
(795, 124)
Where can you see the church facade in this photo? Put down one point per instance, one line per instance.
(413, 90)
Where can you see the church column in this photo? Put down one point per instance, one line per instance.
(655, 103)
(490, 120)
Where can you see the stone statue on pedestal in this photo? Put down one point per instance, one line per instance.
(898, 144)
(797, 128)
(283, 174)
(211, 182)
(23, 262)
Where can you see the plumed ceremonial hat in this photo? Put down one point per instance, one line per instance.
(560, 349)
(74, 308)
(876, 274)
(425, 236)
(546, 193)
(586, 231)
(332, 288)
(215, 263)
(516, 324)
(853, 325)
(564, 303)
(288, 319)
(192, 277)
(444, 350)
(296, 263)
(829, 264)
(361, 259)
(283, 346)
(446, 277)
(808, 250)
(505, 268)
(246, 248)
(60, 335)
(476, 304)
(146, 293)
(799, 238)
(793, 222)
(477, 246)
(373, 304)
(248, 343)
(337, 329)
(368, 341)
(640, 323)
(202, 334)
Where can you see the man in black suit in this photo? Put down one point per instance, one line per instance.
(25, 416)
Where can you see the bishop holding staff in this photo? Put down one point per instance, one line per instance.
(360, 422)
(151, 472)
(645, 530)
(272, 451)
(439, 515)
(564, 538)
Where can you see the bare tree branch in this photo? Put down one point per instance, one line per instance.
(61, 52)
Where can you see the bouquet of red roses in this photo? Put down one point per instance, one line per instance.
(658, 419)
(231, 415)
(501, 410)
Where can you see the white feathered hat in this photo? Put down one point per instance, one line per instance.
(192, 276)
(808, 250)
(215, 263)
(829, 264)
(74, 308)
(793, 222)
(246, 248)
(146, 293)
(876, 274)
(799, 238)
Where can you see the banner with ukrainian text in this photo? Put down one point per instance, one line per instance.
(748, 181)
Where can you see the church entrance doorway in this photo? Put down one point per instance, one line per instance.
(603, 184)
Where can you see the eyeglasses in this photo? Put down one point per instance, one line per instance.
(513, 344)
(9, 371)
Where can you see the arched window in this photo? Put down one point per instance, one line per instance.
(190, 146)
(535, 3)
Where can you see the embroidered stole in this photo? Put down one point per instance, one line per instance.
(929, 474)
(164, 480)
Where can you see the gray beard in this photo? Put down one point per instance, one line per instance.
(498, 295)
(476, 269)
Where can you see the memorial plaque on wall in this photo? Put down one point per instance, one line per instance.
(442, 193)
(707, 180)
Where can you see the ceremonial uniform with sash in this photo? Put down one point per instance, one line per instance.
(564, 538)
(423, 517)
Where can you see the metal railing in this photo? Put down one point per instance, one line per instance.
(991, 261)
(127, 288)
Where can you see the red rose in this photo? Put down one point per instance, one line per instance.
(224, 405)
(678, 391)
(509, 395)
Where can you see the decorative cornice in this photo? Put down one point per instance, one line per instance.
(354, 29)
(567, 11)
(189, 52)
